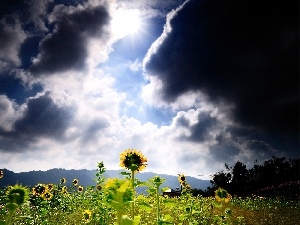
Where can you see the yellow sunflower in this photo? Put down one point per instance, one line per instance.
(133, 160)
(63, 180)
(181, 179)
(47, 196)
(75, 182)
(50, 187)
(98, 187)
(87, 215)
(39, 190)
(64, 189)
(222, 195)
(80, 189)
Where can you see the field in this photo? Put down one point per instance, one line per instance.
(113, 201)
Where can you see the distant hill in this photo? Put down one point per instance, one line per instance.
(86, 178)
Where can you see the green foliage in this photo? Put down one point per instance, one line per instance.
(266, 179)
(109, 202)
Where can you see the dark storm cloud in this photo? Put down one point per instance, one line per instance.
(42, 118)
(66, 47)
(200, 131)
(245, 53)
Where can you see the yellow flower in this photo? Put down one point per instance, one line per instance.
(80, 189)
(39, 189)
(222, 195)
(229, 197)
(63, 180)
(50, 187)
(64, 189)
(87, 215)
(75, 182)
(218, 199)
(1, 174)
(47, 196)
(133, 160)
(181, 179)
(98, 187)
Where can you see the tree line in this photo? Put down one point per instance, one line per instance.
(276, 177)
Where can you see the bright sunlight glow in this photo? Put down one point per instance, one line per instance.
(125, 22)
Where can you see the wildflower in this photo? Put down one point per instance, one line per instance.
(133, 160)
(39, 189)
(17, 194)
(98, 187)
(228, 198)
(1, 174)
(80, 189)
(157, 181)
(64, 189)
(181, 179)
(222, 195)
(63, 180)
(50, 187)
(100, 165)
(87, 215)
(187, 186)
(47, 196)
(75, 182)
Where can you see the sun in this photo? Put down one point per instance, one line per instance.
(125, 22)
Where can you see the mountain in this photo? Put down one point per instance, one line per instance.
(86, 178)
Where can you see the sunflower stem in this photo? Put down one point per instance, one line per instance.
(157, 198)
(11, 211)
(133, 204)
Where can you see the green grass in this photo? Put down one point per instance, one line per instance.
(68, 208)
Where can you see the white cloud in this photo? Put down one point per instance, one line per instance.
(8, 113)
(12, 37)
(135, 66)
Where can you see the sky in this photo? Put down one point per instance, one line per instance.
(191, 84)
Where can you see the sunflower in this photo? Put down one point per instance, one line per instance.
(39, 189)
(64, 189)
(47, 196)
(50, 187)
(98, 187)
(87, 215)
(17, 194)
(75, 182)
(228, 198)
(222, 195)
(80, 189)
(1, 174)
(133, 160)
(181, 179)
(63, 180)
